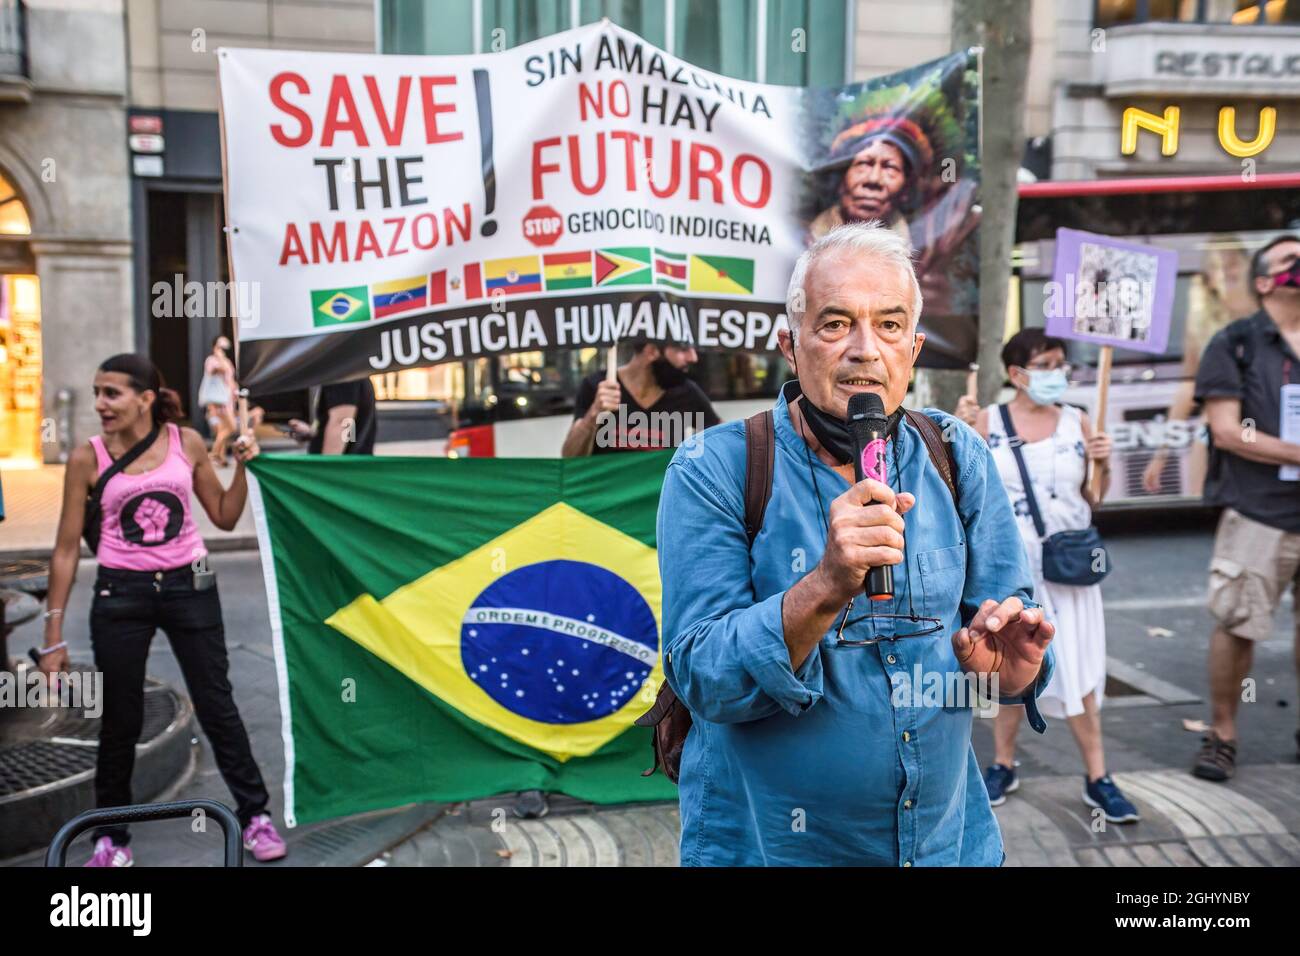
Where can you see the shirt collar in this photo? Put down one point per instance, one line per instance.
(1264, 323)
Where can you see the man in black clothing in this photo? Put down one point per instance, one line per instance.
(651, 405)
(1257, 545)
(344, 422)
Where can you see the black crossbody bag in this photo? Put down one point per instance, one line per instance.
(90, 528)
(1069, 557)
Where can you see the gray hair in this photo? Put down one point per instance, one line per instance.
(866, 238)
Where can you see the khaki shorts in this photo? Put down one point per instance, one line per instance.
(1252, 565)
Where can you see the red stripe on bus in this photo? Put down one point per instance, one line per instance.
(1155, 184)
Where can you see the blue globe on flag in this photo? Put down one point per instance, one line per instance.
(560, 641)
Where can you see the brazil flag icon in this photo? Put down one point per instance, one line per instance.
(445, 630)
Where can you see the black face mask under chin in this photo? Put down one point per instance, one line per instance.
(667, 375)
(833, 433)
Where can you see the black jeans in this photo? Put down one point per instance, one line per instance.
(129, 607)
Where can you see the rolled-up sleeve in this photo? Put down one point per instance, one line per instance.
(724, 649)
(996, 564)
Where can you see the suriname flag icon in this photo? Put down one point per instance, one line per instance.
(453, 629)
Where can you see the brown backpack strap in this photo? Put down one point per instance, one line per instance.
(940, 451)
(760, 459)
(669, 717)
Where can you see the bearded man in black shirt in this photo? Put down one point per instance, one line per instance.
(651, 404)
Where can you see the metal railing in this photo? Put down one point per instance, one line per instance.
(232, 839)
(13, 38)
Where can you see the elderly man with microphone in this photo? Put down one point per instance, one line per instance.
(820, 626)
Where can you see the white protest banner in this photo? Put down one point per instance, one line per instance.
(402, 211)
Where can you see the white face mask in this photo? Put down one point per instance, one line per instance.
(1046, 386)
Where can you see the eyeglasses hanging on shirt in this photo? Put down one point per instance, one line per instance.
(926, 625)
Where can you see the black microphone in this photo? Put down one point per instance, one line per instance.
(868, 428)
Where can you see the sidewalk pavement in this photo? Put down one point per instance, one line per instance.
(350, 841)
(1157, 634)
(33, 500)
(1252, 821)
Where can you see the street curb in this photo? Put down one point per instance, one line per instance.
(356, 840)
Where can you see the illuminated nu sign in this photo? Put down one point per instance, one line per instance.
(1167, 128)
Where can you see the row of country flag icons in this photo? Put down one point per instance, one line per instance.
(521, 275)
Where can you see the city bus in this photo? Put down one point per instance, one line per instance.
(521, 405)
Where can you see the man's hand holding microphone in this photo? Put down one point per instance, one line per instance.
(864, 532)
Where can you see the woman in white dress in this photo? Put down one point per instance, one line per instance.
(1057, 441)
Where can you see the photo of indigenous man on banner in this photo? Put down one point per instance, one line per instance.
(401, 211)
(903, 149)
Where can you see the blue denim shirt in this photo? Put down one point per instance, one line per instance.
(829, 764)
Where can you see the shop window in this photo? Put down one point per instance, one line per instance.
(20, 369)
(1236, 12)
(13, 214)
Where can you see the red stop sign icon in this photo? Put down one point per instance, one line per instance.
(543, 226)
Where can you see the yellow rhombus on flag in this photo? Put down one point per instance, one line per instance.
(421, 630)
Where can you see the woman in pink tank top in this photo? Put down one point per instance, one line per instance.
(153, 575)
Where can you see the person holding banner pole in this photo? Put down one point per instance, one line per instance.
(344, 421)
(621, 409)
(1053, 444)
(646, 404)
(968, 406)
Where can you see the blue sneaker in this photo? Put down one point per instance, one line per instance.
(1103, 793)
(1000, 781)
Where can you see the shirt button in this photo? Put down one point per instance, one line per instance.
(907, 804)
(892, 659)
(906, 736)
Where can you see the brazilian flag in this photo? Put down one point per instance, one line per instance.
(448, 629)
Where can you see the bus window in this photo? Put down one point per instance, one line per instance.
(727, 376)
(523, 385)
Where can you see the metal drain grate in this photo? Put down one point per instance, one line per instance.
(27, 763)
(39, 762)
(160, 708)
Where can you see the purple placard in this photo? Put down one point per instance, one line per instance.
(1111, 292)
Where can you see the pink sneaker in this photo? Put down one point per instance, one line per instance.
(108, 853)
(261, 838)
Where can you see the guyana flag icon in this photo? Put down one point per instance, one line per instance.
(629, 265)
(445, 632)
(340, 306)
